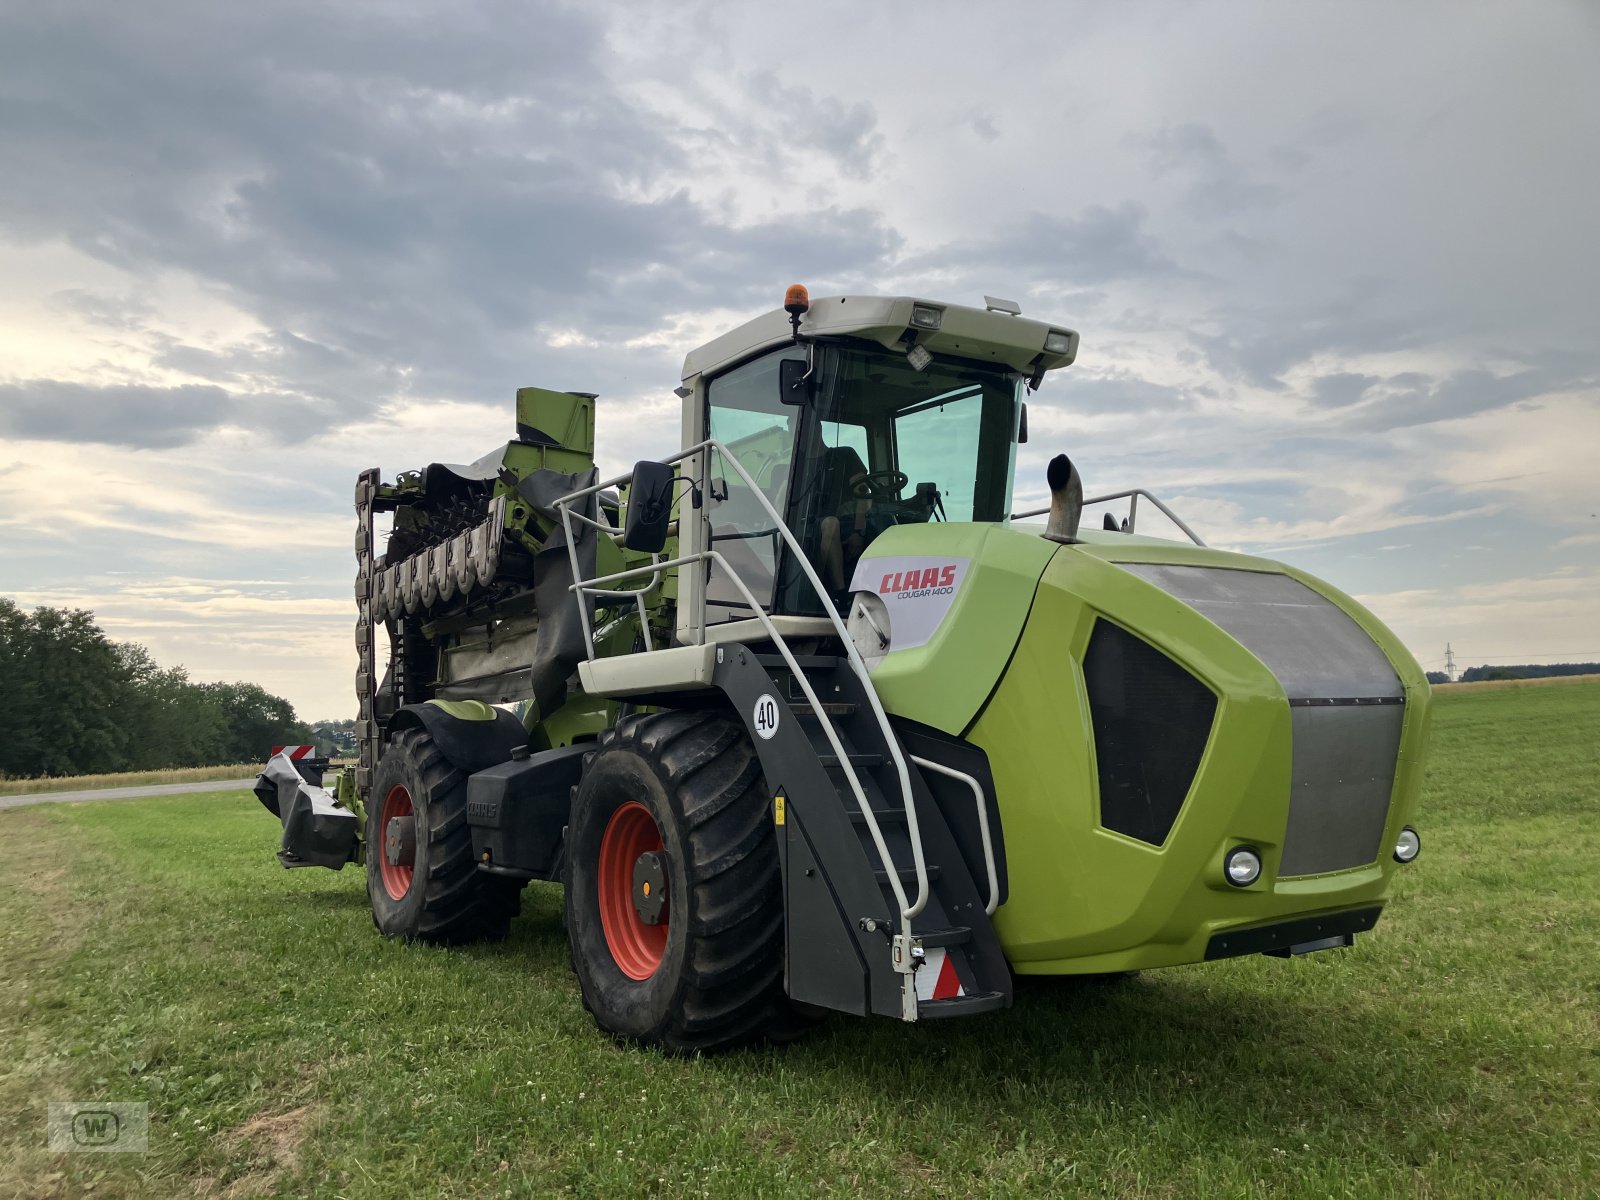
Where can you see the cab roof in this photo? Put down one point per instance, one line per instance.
(973, 333)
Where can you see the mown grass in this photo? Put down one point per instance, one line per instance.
(153, 950)
(73, 783)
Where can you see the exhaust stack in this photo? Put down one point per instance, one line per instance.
(1066, 500)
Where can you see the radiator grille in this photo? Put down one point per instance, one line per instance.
(1151, 722)
(1347, 706)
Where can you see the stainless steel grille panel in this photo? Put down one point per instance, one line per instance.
(1343, 774)
(1310, 644)
(1345, 752)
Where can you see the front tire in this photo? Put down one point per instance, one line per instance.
(421, 878)
(677, 800)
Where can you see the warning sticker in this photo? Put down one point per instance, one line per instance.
(777, 809)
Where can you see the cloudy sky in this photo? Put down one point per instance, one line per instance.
(1334, 267)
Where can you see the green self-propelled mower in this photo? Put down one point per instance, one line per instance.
(803, 717)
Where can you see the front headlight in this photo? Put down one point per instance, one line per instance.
(1408, 845)
(1242, 867)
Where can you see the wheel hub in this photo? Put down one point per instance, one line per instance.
(400, 841)
(650, 886)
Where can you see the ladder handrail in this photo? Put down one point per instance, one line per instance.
(908, 909)
(1133, 510)
(927, 764)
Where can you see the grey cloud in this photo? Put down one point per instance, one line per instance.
(413, 194)
(1218, 185)
(121, 312)
(1340, 389)
(982, 124)
(1260, 343)
(846, 132)
(1117, 394)
(142, 417)
(1412, 399)
(1098, 246)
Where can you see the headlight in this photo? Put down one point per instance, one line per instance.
(1057, 342)
(925, 316)
(1242, 867)
(1408, 845)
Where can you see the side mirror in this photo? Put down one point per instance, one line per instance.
(649, 507)
(1022, 426)
(792, 373)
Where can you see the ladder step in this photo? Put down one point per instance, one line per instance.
(801, 708)
(831, 761)
(907, 874)
(962, 1006)
(886, 816)
(957, 935)
(807, 662)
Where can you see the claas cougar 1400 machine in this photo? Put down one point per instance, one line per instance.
(804, 718)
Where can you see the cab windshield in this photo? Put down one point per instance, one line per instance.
(876, 444)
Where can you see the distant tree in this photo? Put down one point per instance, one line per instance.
(254, 720)
(19, 718)
(81, 686)
(73, 702)
(175, 722)
(1529, 671)
(1438, 677)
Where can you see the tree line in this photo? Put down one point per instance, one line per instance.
(74, 702)
(1487, 673)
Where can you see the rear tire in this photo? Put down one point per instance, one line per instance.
(709, 974)
(439, 895)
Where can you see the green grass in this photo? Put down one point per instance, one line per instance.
(153, 950)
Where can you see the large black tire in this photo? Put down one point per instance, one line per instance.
(444, 899)
(717, 981)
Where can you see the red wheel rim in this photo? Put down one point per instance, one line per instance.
(636, 947)
(396, 877)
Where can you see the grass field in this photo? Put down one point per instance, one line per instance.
(152, 950)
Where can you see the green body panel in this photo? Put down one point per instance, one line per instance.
(944, 682)
(466, 710)
(567, 417)
(582, 716)
(1084, 899)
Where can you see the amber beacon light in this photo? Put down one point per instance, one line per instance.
(795, 302)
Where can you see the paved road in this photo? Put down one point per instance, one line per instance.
(125, 793)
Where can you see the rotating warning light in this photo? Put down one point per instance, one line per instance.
(796, 300)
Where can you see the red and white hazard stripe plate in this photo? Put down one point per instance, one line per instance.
(937, 978)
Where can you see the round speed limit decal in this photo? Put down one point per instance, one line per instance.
(765, 719)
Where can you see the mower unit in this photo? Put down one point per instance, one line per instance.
(804, 717)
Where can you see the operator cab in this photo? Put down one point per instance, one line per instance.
(862, 442)
(852, 415)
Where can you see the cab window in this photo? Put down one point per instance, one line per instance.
(746, 415)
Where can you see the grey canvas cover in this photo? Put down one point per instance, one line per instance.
(317, 830)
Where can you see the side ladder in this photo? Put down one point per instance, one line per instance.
(873, 924)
